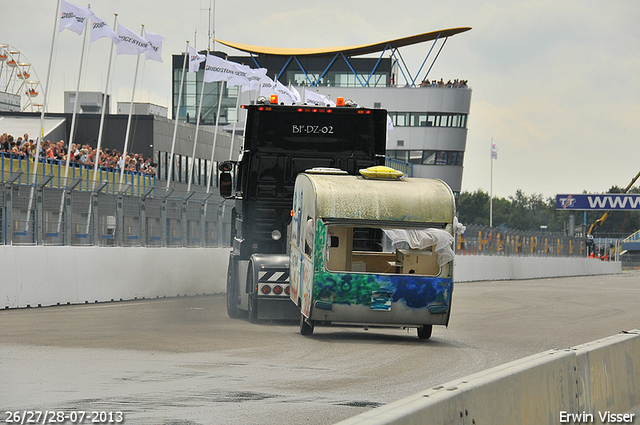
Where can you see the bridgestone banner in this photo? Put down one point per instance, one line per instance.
(130, 42)
(73, 17)
(602, 202)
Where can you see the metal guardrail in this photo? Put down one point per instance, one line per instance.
(405, 167)
(88, 213)
(52, 210)
(484, 240)
(11, 163)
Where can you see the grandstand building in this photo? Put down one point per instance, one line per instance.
(429, 132)
(429, 120)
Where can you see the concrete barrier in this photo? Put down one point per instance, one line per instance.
(584, 384)
(609, 374)
(50, 275)
(486, 267)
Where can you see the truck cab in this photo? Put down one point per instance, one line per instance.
(282, 141)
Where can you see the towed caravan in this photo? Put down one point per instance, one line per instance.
(371, 250)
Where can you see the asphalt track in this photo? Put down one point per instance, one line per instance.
(183, 361)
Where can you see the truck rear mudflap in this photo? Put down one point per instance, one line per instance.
(277, 309)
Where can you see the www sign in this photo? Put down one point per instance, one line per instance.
(611, 201)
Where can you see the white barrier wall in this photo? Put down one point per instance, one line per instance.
(469, 268)
(37, 275)
(48, 275)
(589, 380)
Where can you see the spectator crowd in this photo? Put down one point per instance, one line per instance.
(80, 155)
(456, 84)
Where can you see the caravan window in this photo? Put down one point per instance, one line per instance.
(309, 235)
(370, 250)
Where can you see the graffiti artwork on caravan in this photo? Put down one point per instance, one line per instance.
(372, 250)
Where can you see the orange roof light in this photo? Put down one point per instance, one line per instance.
(340, 101)
(274, 99)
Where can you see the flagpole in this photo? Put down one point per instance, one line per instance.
(105, 101)
(126, 137)
(195, 137)
(105, 104)
(77, 101)
(175, 126)
(233, 132)
(36, 158)
(491, 189)
(73, 121)
(215, 134)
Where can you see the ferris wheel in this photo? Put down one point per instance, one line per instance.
(18, 77)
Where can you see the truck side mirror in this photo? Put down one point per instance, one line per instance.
(226, 180)
(226, 184)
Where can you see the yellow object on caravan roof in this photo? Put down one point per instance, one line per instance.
(416, 200)
(381, 172)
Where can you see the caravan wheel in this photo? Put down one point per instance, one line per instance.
(424, 331)
(306, 328)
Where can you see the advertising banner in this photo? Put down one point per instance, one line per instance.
(600, 202)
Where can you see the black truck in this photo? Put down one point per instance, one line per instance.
(280, 142)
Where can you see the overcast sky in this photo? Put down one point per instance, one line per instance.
(556, 84)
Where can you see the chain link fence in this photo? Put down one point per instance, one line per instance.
(78, 213)
(485, 240)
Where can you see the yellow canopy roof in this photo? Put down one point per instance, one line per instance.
(346, 50)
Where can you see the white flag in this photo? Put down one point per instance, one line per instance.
(130, 42)
(256, 78)
(313, 98)
(240, 75)
(389, 123)
(267, 87)
(295, 93)
(218, 69)
(494, 151)
(194, 60)
(99, 29)
(73, 17)
(154, 48)
(284, 94)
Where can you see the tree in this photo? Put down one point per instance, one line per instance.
(474, 207)
(529, 212)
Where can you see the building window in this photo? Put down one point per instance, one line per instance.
(402, 156)
(415, 157)
(400, 143)
(428, 157)
(427, 119)
(418, 119)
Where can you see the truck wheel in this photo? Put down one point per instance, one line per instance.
(232, 306)
(424, 331)
(306, 329)
(253, 298)
(253, 309)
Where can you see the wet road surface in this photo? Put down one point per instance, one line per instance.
(183, 361)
